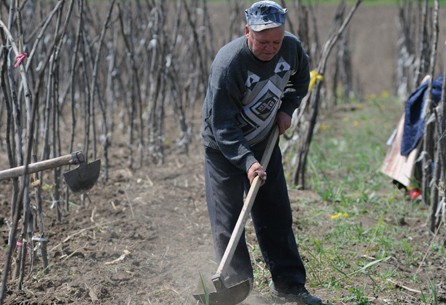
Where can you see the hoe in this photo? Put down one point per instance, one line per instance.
(80, 179)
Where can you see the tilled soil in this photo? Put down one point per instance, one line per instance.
(143, 237)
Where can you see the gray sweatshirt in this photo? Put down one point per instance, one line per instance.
(244, 95)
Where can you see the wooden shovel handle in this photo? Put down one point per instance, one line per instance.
(247, 205)
(73, 158)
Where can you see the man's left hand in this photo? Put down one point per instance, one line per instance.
(283, 121)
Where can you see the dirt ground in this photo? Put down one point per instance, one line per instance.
(144, 237)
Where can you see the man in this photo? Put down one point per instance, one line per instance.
(256, 82)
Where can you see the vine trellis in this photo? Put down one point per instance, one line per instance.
(106, 75)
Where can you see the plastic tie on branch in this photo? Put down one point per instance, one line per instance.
(314, 77)
(39, 239)
(19, 58)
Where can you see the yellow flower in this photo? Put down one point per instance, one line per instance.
(324, 126)
(338, 215)
(314, 77)
(385, 93)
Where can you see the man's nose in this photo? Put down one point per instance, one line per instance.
(269, 47)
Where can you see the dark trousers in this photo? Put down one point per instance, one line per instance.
(271, 215)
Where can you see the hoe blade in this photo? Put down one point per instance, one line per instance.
(84, 177)
(216, 293)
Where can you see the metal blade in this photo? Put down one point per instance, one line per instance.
(84, 177)
(219, 294)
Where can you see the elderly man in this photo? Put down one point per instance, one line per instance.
(256, 82)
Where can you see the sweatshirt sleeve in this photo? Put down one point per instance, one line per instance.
(297, 86)
(225, 95)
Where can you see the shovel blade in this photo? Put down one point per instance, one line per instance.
(84, 177)
(213, 293)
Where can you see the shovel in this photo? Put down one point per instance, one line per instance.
(216, 292)
(79, 179)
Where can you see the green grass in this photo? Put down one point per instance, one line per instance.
(362, 234)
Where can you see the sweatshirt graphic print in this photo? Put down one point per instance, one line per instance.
(261, 102)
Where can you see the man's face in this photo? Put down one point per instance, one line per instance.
(265, 44)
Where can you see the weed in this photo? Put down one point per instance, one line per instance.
(362, 229)
(358, 297)
(205, 290)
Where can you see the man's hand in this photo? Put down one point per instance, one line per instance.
(283, 121)
(256, 170)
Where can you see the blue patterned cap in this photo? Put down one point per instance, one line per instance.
(264, 15)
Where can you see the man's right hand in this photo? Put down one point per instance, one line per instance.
(256, 170)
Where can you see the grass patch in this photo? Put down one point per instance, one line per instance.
(358, 234)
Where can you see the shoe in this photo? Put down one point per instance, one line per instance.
(298, 294)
